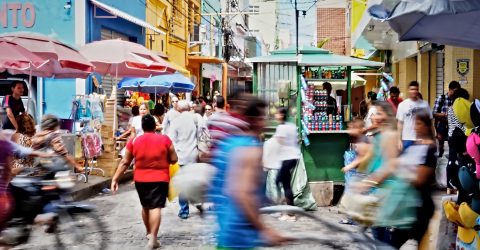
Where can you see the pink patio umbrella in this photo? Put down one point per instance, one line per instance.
(125, 59)
(16, 57)
(63, 60)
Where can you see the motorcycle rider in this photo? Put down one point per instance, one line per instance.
(10, 149)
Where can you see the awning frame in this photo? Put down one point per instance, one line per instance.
(118, 13)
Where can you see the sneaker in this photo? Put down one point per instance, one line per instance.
(287, 217)
(200, 209)
(183, 216)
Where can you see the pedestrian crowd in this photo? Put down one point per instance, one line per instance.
(402, 174)
(393, 153)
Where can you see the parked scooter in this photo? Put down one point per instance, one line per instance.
(41, 196)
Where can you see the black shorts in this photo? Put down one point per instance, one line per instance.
(152, 194)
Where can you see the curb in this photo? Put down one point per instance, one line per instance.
(94, 188)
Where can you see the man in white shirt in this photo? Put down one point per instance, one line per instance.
(170, 116)
(183, 133)
(406, 115)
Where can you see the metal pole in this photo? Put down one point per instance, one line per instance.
(212, 46)
(296, 28)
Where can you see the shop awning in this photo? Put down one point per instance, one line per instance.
(123, 15)
(334, 60)
(311, 56)
(205, 59)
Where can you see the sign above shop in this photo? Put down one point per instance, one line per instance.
(463, 67)
(14, 15)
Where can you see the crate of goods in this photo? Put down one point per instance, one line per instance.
(108, 141)
(109, 148)
(109, 166)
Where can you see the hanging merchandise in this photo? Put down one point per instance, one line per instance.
(92, 145)
(304, 83)
(96, 107)
(82, 109)
(88, 109)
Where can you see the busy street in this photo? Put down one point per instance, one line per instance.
(240, 124)
(126, 231)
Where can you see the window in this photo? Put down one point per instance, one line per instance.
(195, 36)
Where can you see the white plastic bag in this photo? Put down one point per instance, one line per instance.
(270, 154)
(192, 181)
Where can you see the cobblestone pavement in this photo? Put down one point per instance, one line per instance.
(121, 214)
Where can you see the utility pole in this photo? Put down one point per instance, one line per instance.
(296, 28)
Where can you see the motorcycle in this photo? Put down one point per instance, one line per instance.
(41, 196)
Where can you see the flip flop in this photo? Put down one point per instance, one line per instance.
(346, 222)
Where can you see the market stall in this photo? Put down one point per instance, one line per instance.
(283, 78)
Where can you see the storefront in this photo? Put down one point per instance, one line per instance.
(56, 19)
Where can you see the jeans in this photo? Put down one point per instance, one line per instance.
(407, 143)
(390, 236)
(184, 207)
(285, 177)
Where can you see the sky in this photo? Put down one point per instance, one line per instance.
(307, 23)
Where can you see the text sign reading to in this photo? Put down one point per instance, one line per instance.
(21, 14)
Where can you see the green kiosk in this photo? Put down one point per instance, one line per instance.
(285, 79)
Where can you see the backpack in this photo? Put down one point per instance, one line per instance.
(204, 141)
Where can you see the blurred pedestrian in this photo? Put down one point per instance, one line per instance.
(13, 105)
(223, 124)
(183, 133)
(408, 207)
(50, 139)
(289, 154)
(406, 115)
(332, 108)
(170, 116)
(237, 188)
(153, 154)
(395, 98)
(440, 114)
(23, 136)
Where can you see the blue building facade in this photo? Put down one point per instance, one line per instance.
(99, 19)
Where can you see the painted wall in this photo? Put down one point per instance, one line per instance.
(53, 20)
(157, 13)
(133, 31)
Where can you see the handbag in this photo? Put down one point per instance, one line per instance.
(172, 193)
(398, 206)
(361, 207)
(203, 141)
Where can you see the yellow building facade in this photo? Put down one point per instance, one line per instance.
(177, 19)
